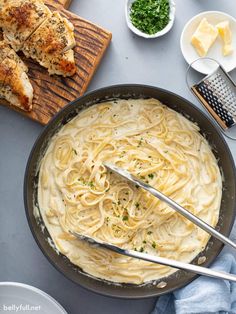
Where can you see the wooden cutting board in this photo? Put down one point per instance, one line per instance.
(51, 93)
(64, 3)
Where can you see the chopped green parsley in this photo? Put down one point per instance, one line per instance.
(125, 218)
(150, 16)
(91, 184)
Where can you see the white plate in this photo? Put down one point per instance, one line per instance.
(215, 52)
(20, 298)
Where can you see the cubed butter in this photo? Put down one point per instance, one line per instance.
(204, 37)
(227, 50)
(226, 35)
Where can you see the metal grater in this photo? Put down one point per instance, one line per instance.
(217, 92)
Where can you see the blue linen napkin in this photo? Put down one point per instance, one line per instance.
(205, 295)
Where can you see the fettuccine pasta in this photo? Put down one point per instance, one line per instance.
(77, 193)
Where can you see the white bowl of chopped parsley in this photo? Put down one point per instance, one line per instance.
(150, 18)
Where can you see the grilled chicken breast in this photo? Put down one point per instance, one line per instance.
(60, 64)
(2, 3)
(20, 18)
(48, 38)
(17, 90)
(15, 86)
(7, 51)
(51, 45)
(54, 35)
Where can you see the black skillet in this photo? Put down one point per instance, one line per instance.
(219, 147)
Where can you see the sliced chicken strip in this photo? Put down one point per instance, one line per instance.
(19, 19)
(15, 86)
(6, 69)
(7, 51)
(17, 90)
(2, 3)
(51, 45)
(61, 64)
(55, 35)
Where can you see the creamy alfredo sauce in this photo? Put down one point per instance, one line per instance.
(156, 144)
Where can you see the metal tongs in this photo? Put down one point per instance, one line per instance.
(156, 259)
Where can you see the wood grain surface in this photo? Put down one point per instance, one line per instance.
(64, 3)
(51, 93)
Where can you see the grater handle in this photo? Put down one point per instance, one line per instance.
(190, 66)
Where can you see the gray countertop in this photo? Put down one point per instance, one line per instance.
(129, 59)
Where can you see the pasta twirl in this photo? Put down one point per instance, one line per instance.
(77, 193)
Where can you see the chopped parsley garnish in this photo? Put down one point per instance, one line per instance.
(75, 151)
(150, 16)
(125, 218)
(141, 249)
(137, 204)
(91, 184)
(154, 244)
(149, 232)
(151, 175)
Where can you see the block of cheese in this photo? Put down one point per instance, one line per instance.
(204, 37)
(226, 35)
